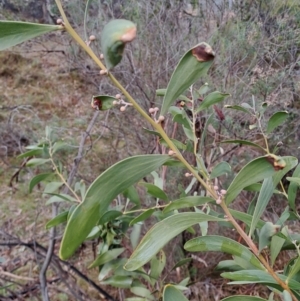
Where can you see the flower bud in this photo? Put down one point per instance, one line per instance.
(171, 153)
(161, 118)
(59, 21)
(115, 102)
(151, 110)
(118, 96)
(123, 108)
(92, 38)
(101, 56)
(102, 72)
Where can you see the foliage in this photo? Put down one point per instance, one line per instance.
(110, 209)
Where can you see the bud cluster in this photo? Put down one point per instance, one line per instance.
(153, 112)
(122, 102)
(221, 193)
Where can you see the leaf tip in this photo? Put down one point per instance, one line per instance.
(203, 52)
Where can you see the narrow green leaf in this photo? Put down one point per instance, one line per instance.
(142, 292)
(106, 257)
(245, 142)
(60, 145)
(268, 187)
(257, 276)
(14, 32)
(186, 202)
(31, 153)
(245, 218)
(210, 99)
(60, 197)
(295, 268)
(103, 102)
(153, 241)
(52, 187)
(57, 220)
(265, 234)
(181, 263)
(239, 108)
(118, 281)
(171, 293)
(221, 244)
(108, 216)
(157, 265)
(255, 171)
(155, 191)
(244, 298)
(36, 162)
(114, 36)
(275, 247)
(102, 191)
(276, 120)
(287, 296)
(194, 64)
(143, 216)
(203, 89)
(293, 187)
(220, 169)
(294, 180)
(37, 179)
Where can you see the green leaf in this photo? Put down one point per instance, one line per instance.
(203, 89)
(157, 265)
(194, 64)
(276, 120)
(153, 241)
(239, 108)
(103, 102)
(210, 99)
(37, 179)
(293, 187)
(257, 276)
(142, 292)
(181, 263)
(33, 152)
(155, 191)
(294, 180)
(142, 216)
(245, 218)
(60, 197)
(268, 187)
(186, 202)
(244, 298)
(100, 194)
(255, 171)
(52, 187)
(221, 244)
(57, 220)
(13, 32)
(59, 145)
(106, 257)
(108, 216)
(118, 281)
(265, 234)
(36, 162)
(220, 169)
(245, 142)
(277, 243)
(294, 269)
(171, 293)
(114, 36)
(287, 296)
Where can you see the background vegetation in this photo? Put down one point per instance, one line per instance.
(50, 81)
